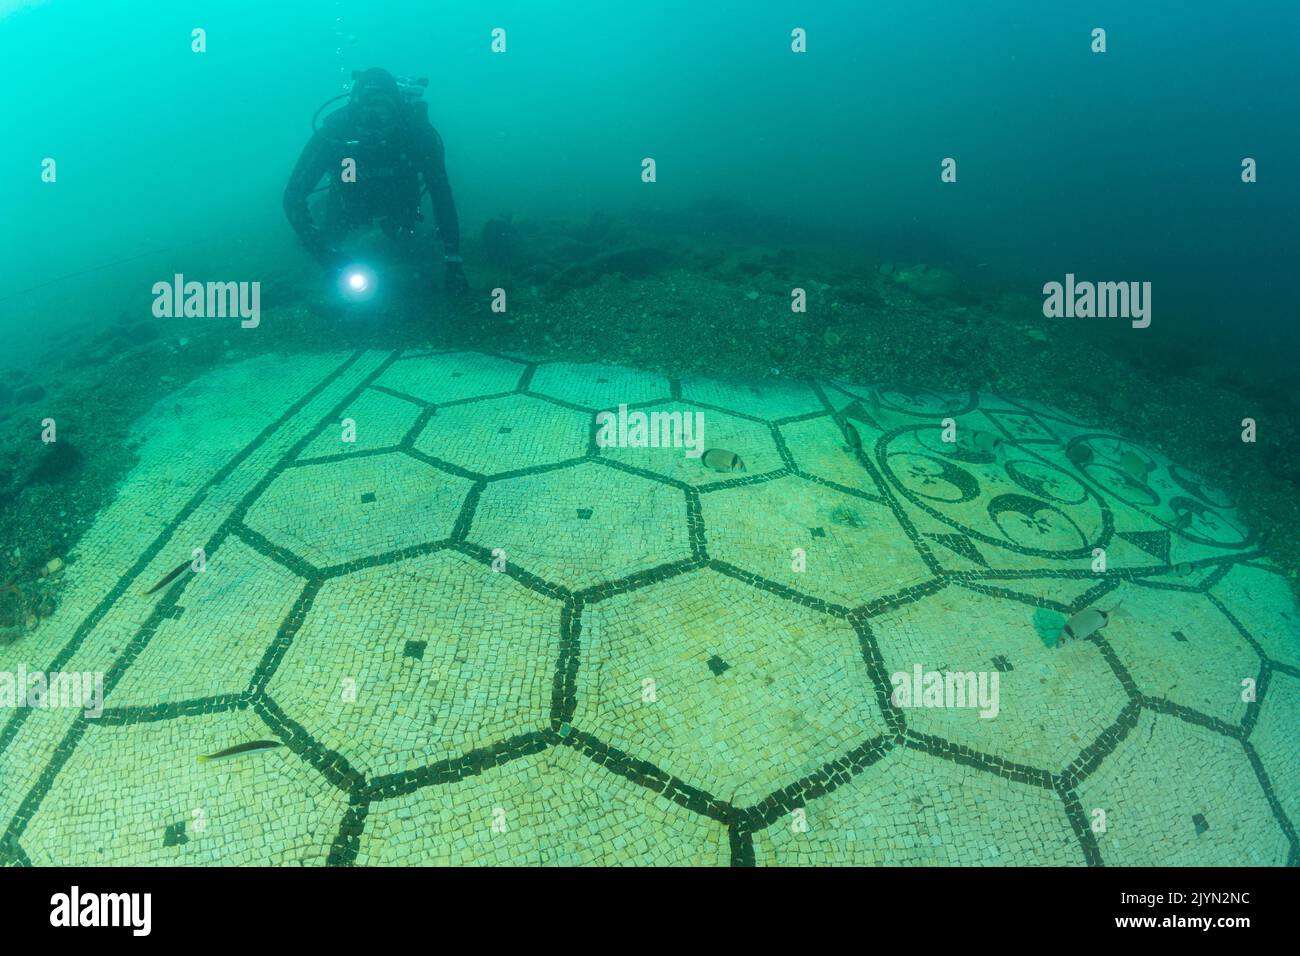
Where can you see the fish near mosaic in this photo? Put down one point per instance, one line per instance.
(851, 435)
(719, 459)
(1081, 455)
(251, 746)
(1086, 623)
(168, 578)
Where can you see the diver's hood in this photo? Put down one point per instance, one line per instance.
(375, 81)
(376, 102)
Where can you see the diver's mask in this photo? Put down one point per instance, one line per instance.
(376, 102)
(376, 112)
(379, 102)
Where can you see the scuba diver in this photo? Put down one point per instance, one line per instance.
(385, 129)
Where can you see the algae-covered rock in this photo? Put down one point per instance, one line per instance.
(59, 461)
(13, 609)
(635, 263)
(859, 293)
(740, 264)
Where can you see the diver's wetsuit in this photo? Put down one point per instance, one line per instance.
(388, 167)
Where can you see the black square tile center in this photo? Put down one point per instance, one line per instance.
(175, 834)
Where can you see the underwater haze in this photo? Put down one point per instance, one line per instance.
(1121, 166)
(717, 433)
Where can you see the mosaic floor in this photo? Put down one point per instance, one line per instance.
(479, 636)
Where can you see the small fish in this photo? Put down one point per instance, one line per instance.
(168, 578)
(249, 747)
(985, 442)
(851, 436)
(1080, 454)
(1135, 466)
(719, 459)
(1085, 624)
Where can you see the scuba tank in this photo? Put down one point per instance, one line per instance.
(412, 91)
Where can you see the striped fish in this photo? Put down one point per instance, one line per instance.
(250, 747)
(168, 578)
(1085, 624)
(719, 459)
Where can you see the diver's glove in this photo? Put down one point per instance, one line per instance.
(456, 284)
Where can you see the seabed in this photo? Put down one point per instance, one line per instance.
(483, 639)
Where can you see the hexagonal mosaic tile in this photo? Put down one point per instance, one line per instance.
(770, 400)
(732, 690)
(452, 377)
(584, 525)
(1050, 703)
(375, 420)
(1175, 794)
(505, 434)
(912, 809)
(330, 514)
(750, 441)
(554, 808)
(812, 538)
(598, 386)
(135, 796)
(421, 661)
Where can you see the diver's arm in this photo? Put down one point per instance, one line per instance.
(434, 169)
(307, 172)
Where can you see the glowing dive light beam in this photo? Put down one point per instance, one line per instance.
(357, 283)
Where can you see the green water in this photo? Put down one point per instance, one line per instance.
(483, 630)
(1119, 166)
